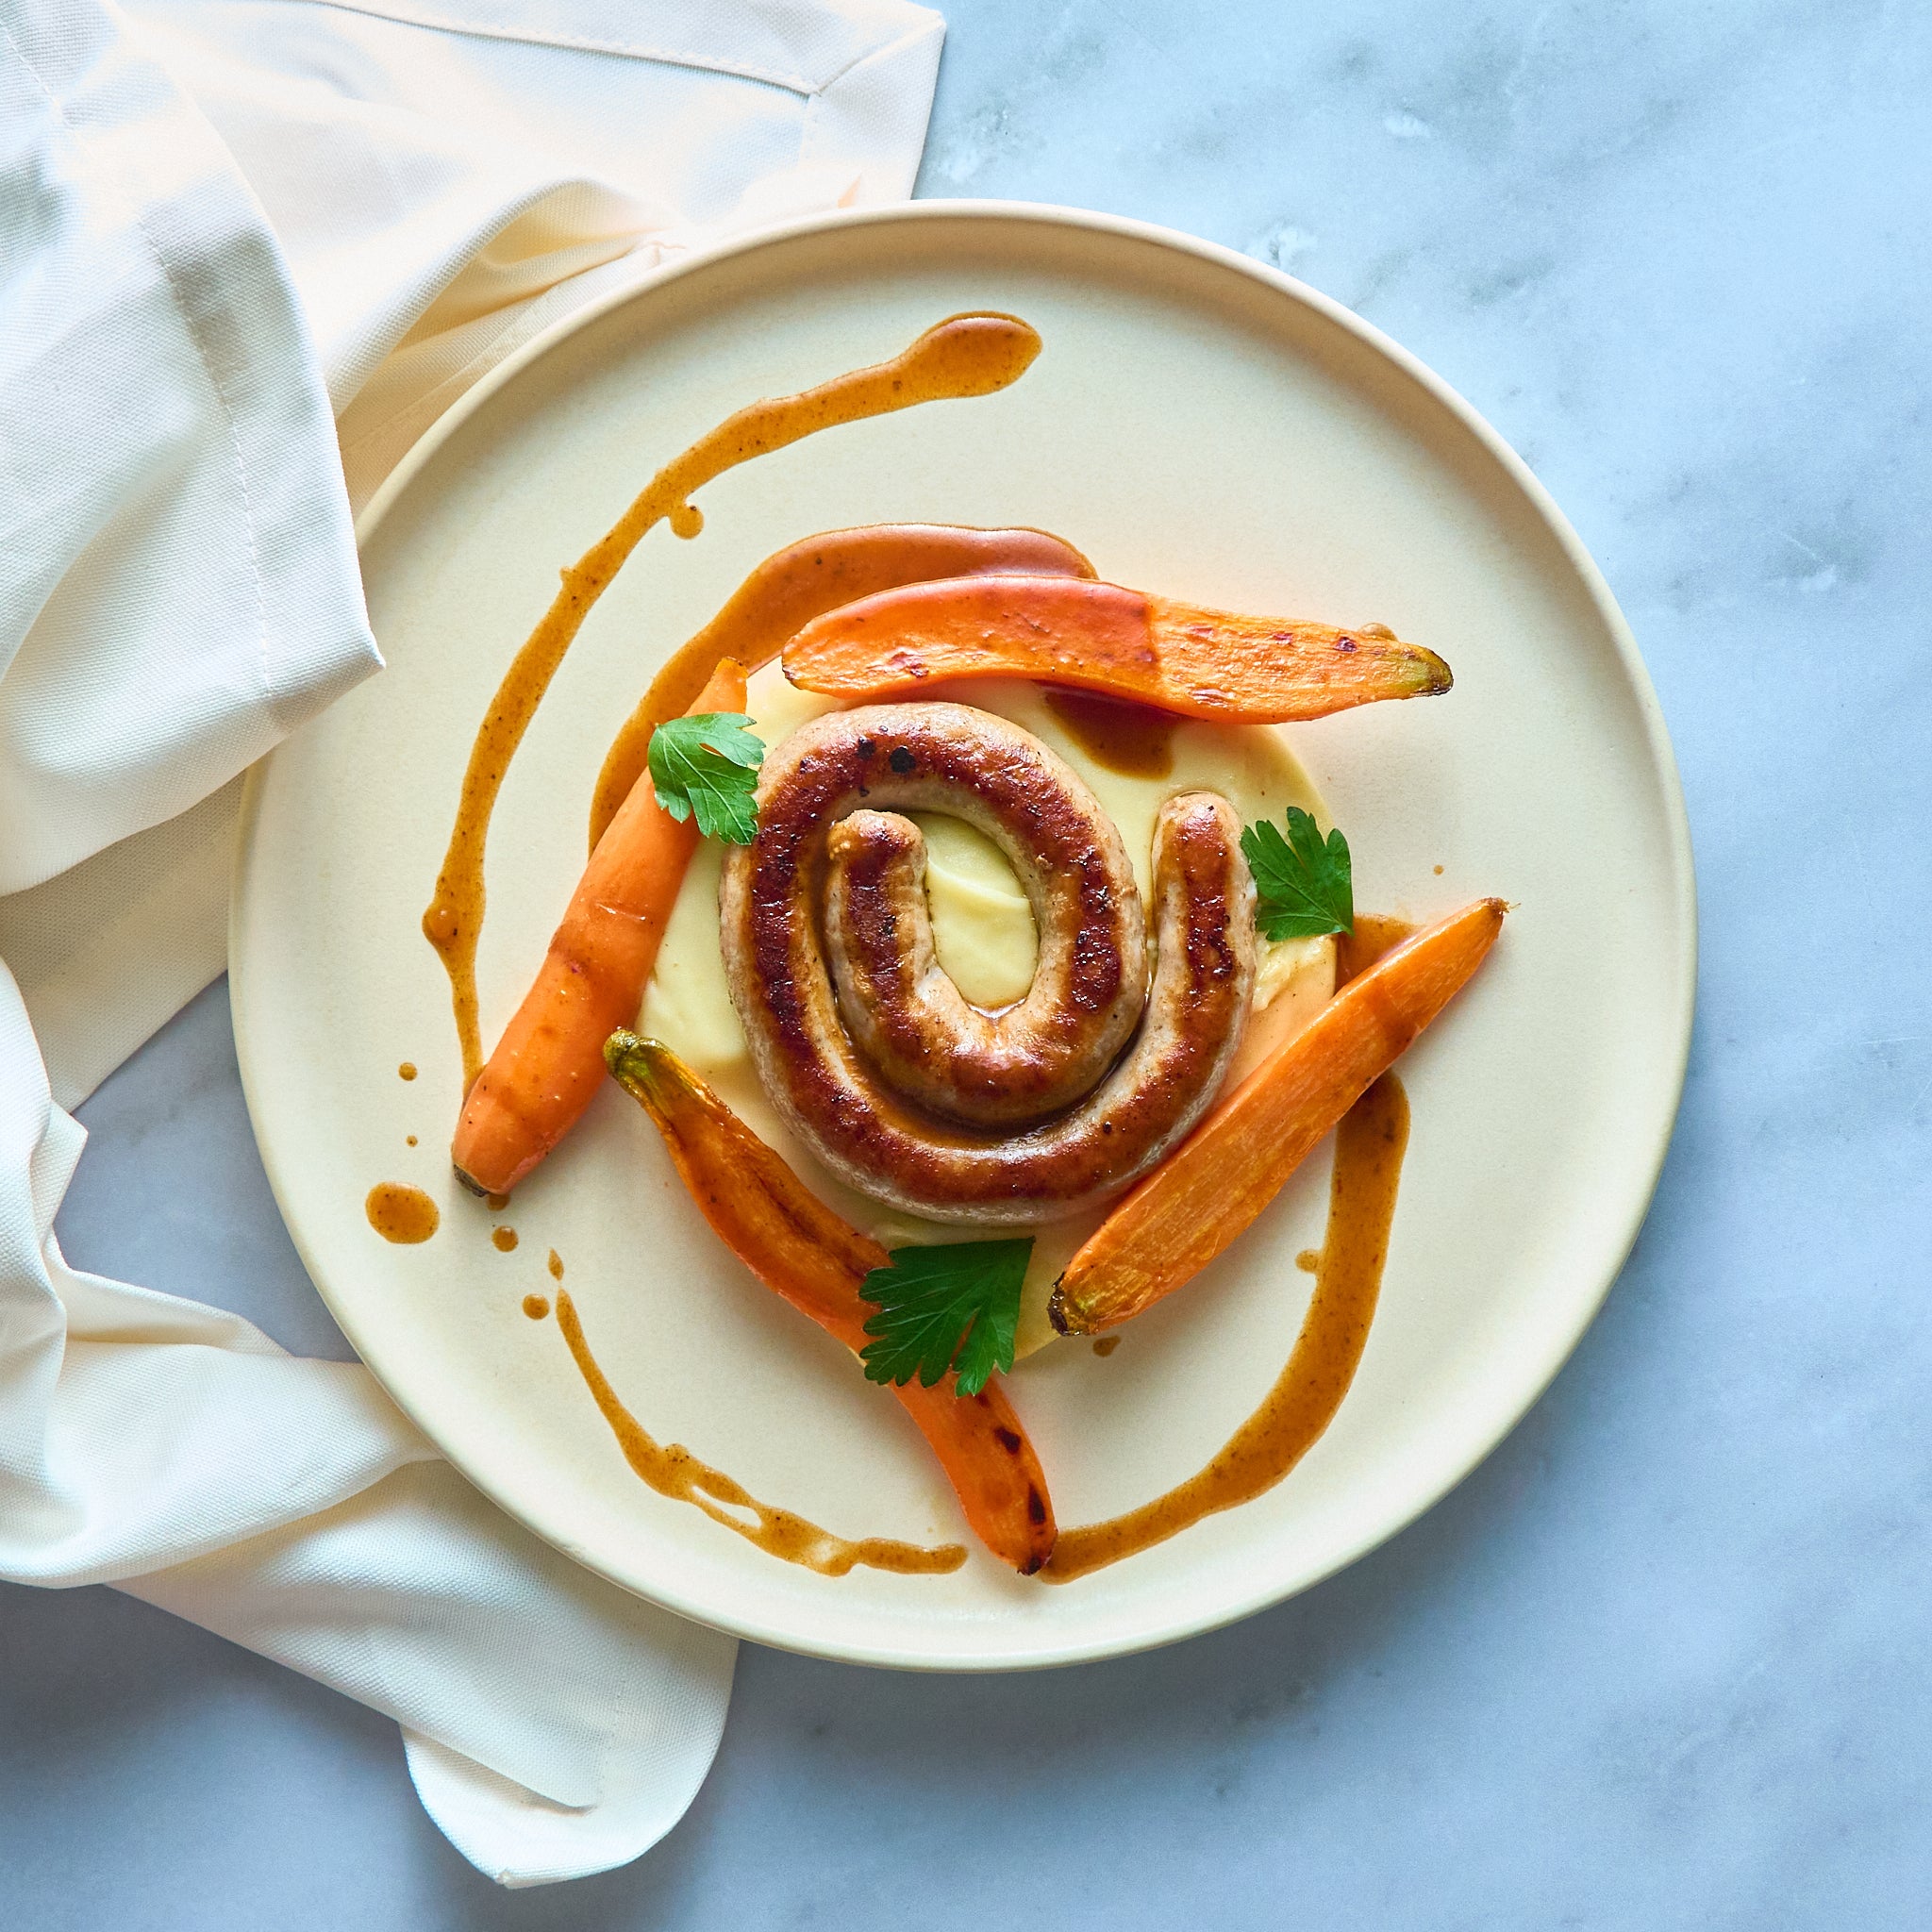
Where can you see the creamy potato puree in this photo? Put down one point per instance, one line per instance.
(983, 930)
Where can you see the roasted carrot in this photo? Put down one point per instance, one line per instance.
(550, 1059)
(1099, 636)
(1236, 1161)
(799, 582)
(818, 1261)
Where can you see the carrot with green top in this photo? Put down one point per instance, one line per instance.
(819, 1262)
(550, 1060)
(1215, 1184)
(1181, 657)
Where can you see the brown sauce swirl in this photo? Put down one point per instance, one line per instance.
(964, 356)
(401, 1213)
(672, 1471)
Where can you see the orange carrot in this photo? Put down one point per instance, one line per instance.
(799, 582)
(550, 1059)
(818, 1261)
(1236, 1161)
(1098, 637)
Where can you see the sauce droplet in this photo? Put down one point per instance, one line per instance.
(503, 1240)
(536, 1307)
(400, 1213)
(1106, 1345)
(407, 1070)
(496, 1203)
(409, 1139)
(555, 1265)
(1310, 1260)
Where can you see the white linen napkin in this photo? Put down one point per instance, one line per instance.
(223, 223)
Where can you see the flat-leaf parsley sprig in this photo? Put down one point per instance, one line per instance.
(953, 1307)
(708, 764)
(1305, 886)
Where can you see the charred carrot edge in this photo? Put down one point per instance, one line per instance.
(818, 1262)
(550, 1059)
(1100, 636)
(1236, 1161)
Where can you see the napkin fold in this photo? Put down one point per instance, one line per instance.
(234, 234)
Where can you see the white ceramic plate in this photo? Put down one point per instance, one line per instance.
(1203, 427)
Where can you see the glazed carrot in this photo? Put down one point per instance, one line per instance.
(550, 1059)
(1236, 1161)
(1098, 637)
(818, 1261)
(799, 582)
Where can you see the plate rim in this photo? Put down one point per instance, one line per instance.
(1660, 753)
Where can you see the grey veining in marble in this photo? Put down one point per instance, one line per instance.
(1662, 1662)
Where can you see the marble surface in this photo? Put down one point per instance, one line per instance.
(1662, 1662)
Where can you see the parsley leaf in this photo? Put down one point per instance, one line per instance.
(708, 764)
(1306, 888)
(943, 1307)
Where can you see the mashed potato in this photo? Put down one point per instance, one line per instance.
(983, 930)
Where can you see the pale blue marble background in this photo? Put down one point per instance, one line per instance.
(1663, 1662)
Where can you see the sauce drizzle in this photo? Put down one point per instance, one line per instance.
(971, 355)
(672, 1471)
(1369, 1146)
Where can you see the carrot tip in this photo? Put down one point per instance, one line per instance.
(618, 1051)
(1065, 1321)
(647, 1069)
(1435, 678)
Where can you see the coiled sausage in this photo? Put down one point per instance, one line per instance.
(871, 1054)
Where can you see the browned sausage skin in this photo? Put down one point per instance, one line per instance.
(986, 1069)
(926, 1102)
